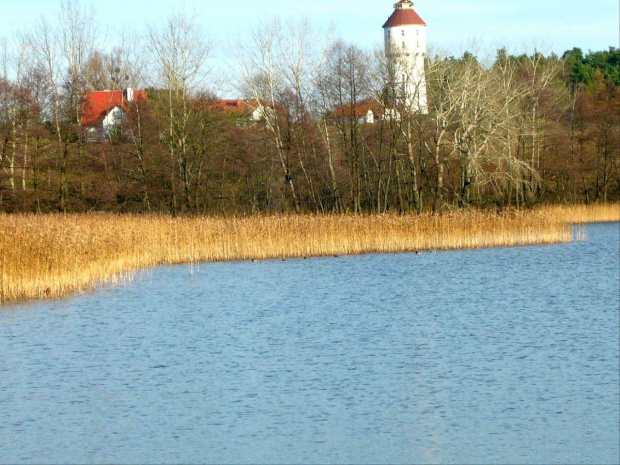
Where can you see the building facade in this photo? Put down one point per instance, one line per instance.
(405, 49)
(103, 111)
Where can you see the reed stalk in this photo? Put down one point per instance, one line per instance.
(54, 255)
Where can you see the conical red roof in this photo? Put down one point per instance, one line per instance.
(404, 16)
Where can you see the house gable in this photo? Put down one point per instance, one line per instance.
(103, 110)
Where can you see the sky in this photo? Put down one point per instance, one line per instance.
(453, 26)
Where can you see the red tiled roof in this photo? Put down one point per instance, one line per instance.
(360, 109)
(404, 17)
(97, 104)
(243, 107)
(230, 105)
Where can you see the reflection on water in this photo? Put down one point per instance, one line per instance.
(506, 355)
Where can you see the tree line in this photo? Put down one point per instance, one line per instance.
(513, 131)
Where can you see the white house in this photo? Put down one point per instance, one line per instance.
(103, 111)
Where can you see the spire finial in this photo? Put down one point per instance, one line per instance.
(403, 4)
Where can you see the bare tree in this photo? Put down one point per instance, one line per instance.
(179, 52)
(444, 116)
(8, 117)
(55, 50)
(76, 38)
(511, 172)
(539, 74)
(344, 84)
(406, 106)
(279, 66)
(121, 67)
(45, 48)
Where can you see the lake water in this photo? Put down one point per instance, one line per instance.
(485, 356)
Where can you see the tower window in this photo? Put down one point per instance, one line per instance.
(403, 32)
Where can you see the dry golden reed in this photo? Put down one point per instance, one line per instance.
(581, 214)
(53, 255)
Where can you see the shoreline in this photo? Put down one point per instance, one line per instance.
(53, 256)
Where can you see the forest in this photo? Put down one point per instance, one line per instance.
(508, 132)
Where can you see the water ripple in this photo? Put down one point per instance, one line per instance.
(505, 355)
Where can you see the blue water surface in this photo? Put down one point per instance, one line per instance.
(485, 356)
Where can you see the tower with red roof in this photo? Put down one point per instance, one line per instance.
(405, 48)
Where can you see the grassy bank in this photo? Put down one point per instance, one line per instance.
(53, 255)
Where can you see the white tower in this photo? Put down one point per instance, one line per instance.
(405, 48)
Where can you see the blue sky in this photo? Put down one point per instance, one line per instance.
(452, 24)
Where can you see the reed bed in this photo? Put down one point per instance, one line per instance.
(54, 255)
(581, 214)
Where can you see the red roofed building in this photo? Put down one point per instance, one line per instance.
(246, 110)
(102, 111)
(237, 107)
(405, 47)
(404, 15)
(229, 105)
(366, 112)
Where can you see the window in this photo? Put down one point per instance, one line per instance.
(403, 32)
